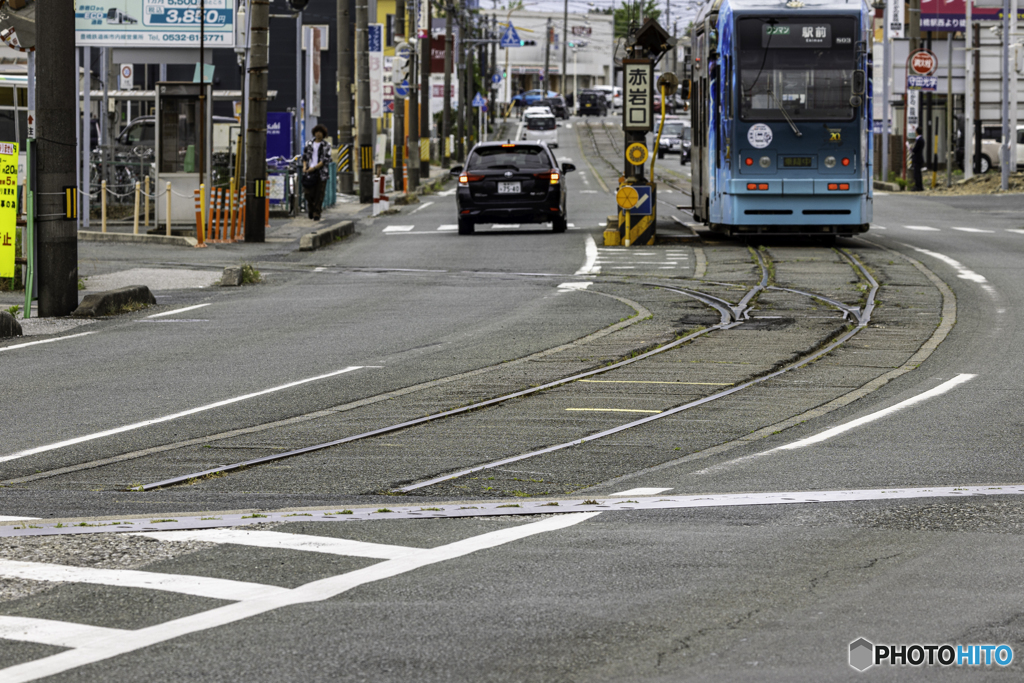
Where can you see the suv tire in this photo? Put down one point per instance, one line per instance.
(465, 226)
(560, 224)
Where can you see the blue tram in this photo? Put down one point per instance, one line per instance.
(781, 117)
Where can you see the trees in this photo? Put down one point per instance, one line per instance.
(629, 13)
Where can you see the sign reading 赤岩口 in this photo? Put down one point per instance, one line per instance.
(8, 205)
(637, 95)
(154, 23)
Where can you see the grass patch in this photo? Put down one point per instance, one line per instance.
(161, 521)
(132, 306)
(384, 510)
(590, 501)
(250, 275)
(511, 505)
(253, 516)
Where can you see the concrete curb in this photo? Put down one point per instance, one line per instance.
(887, 187)
(403, 198)
(105, 303)
(172, 240)
(320, 238)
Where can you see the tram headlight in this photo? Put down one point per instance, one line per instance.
(830, 162)
(765, 162)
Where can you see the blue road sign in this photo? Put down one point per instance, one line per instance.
(643, 204)
(511, 38)
(479, 101)
(496, 79)
(402, 89)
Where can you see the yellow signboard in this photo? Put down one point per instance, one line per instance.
(636, 154)
(626, 197)
(8, 205)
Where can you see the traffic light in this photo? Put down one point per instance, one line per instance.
(298, 5)
(523, 43)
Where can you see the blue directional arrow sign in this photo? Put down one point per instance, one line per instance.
(511, 38)
(402, 89)
(643, 204)
(496, 79)
(479, 101)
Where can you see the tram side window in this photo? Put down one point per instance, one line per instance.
(727, 88)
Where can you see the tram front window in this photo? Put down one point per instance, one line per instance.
(803, 68)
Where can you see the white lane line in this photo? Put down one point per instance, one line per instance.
(399, 228)
(1016, 230)
(921, 228)
(421, 207)
(180, 310)
(447, 193)
(4, 518)
(878, 415)
(589, 192)
(44, 341)
(590, 266)
(640, 492)
(569, 286)
(973, 230)
(220, 589)
(878, 227)
(286, 541)
(57, 633)
(314, 591)
(173, 416)
(962, 271)
(447, 228)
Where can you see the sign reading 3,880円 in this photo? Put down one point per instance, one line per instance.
(8, 205)
(154, 23)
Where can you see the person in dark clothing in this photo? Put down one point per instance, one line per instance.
(917, 160)
(315, 172)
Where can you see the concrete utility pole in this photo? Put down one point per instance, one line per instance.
(345, 62)
(565, 42)
(547, 56)
(425, 95)
(494, 68)
(460, 140)
(446, 116)
(399, 156)
(56, 117)
(969, 54)
(256, 126)
(414, 105)
(363, 120)
(1004, 149)
(886, 107)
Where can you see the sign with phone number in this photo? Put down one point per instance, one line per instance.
(8, 206)
(153, 23)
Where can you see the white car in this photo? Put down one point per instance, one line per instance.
(612, 94)
(541, 129)
(538, 110)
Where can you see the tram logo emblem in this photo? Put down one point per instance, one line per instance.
(636, 154)
(759, 136)
(835, 135)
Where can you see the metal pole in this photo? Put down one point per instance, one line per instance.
(299, 114)
(968, 99)
(446, 115)
(1013, 85)
(949, 111)
(547, 56)
(414, 99)
(86, 136)
(425, 95)
(399, 116)
(565, 42)
(886, 78)
(1004, 149)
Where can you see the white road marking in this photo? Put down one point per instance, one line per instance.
(972, 230)
(399, 228)
(921, 227)
(880, 194)
(589, 192)
(1016, 230)
(314, 591)
(219, 589)
(57, 633)
(180, 310)
(640, 492)
(878, 227)
(447, 228)
(570, 225)
(611, 410)
(15, 519)
(44, 341)
(173, 416)
(961, 271)
(421, 207)
(447, 193)
(319, 269)
(590, 266)
(286, 541)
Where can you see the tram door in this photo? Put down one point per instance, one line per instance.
(700, 119)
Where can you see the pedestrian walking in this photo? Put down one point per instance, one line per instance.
(917, 160)
(315, 158)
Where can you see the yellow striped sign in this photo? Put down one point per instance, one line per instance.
(259, 187)
(70, 203)
(366, 152)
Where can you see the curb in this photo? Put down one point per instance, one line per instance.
(403, 198)
(103, 303)
(172, 240)
(325, 236)
(887, 187)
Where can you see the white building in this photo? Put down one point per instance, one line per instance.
(592, 34)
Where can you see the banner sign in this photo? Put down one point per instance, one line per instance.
(894, 13)
(8, 205)
(314, 37)
(375, 60)
(923, 83)
(154, 23)
(951, 15)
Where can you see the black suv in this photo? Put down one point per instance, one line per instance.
(592, 102)
(558, 106)
(511, 181)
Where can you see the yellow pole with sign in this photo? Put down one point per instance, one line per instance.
(8, 206)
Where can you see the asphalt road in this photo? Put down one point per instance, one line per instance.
(902, 529)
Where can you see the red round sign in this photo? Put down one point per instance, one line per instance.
(923, 63)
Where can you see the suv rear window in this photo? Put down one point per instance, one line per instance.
(591, 97)
(516, 157)
(540, 123)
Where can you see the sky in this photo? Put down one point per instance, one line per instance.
(682, 10)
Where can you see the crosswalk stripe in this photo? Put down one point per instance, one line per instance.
(921, 227)
(640, 492)
(221, 589)
(56, 633)
(286, 541)
(973, 230)
(399, 228)
(447, 228)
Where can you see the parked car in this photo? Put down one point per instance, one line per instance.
(538, 110)
(558, 106)
(592, 102)
(140, 132)
(511, 182)
(532, 97)
(612, 95)
(990, 152)
(541, 129)
(675, 139)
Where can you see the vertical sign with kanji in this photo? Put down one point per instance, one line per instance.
(637, 95)
(8, 205)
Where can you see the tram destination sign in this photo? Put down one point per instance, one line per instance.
(154, 23)
(637, 95)
(797, 35)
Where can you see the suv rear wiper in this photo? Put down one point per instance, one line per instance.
(786, 114)
(512, 166)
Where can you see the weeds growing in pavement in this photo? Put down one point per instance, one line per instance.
(161, 521)
(13, 310)
(250, 275)
(384, 510)
(132, 306)
(253, 516)
(590, 501)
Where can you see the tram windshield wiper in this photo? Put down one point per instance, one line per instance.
(778, 104)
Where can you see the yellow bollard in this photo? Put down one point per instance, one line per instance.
(147, 204)
(103, 205)
(232, 207)
(201, 231)
(135, 228)
(625, 239)
(167, 208)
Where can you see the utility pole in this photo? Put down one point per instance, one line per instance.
(968, 98)
(344, 93)
(399, 155)
(256, 126)
(1004, 149)
(547, 56)
(56, 116)
(414, 99)
(363, 121)
(425, 95)
(494, 68)
(565, 42)
(460, 141)
(446, 116)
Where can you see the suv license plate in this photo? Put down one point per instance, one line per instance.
(509, 188)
